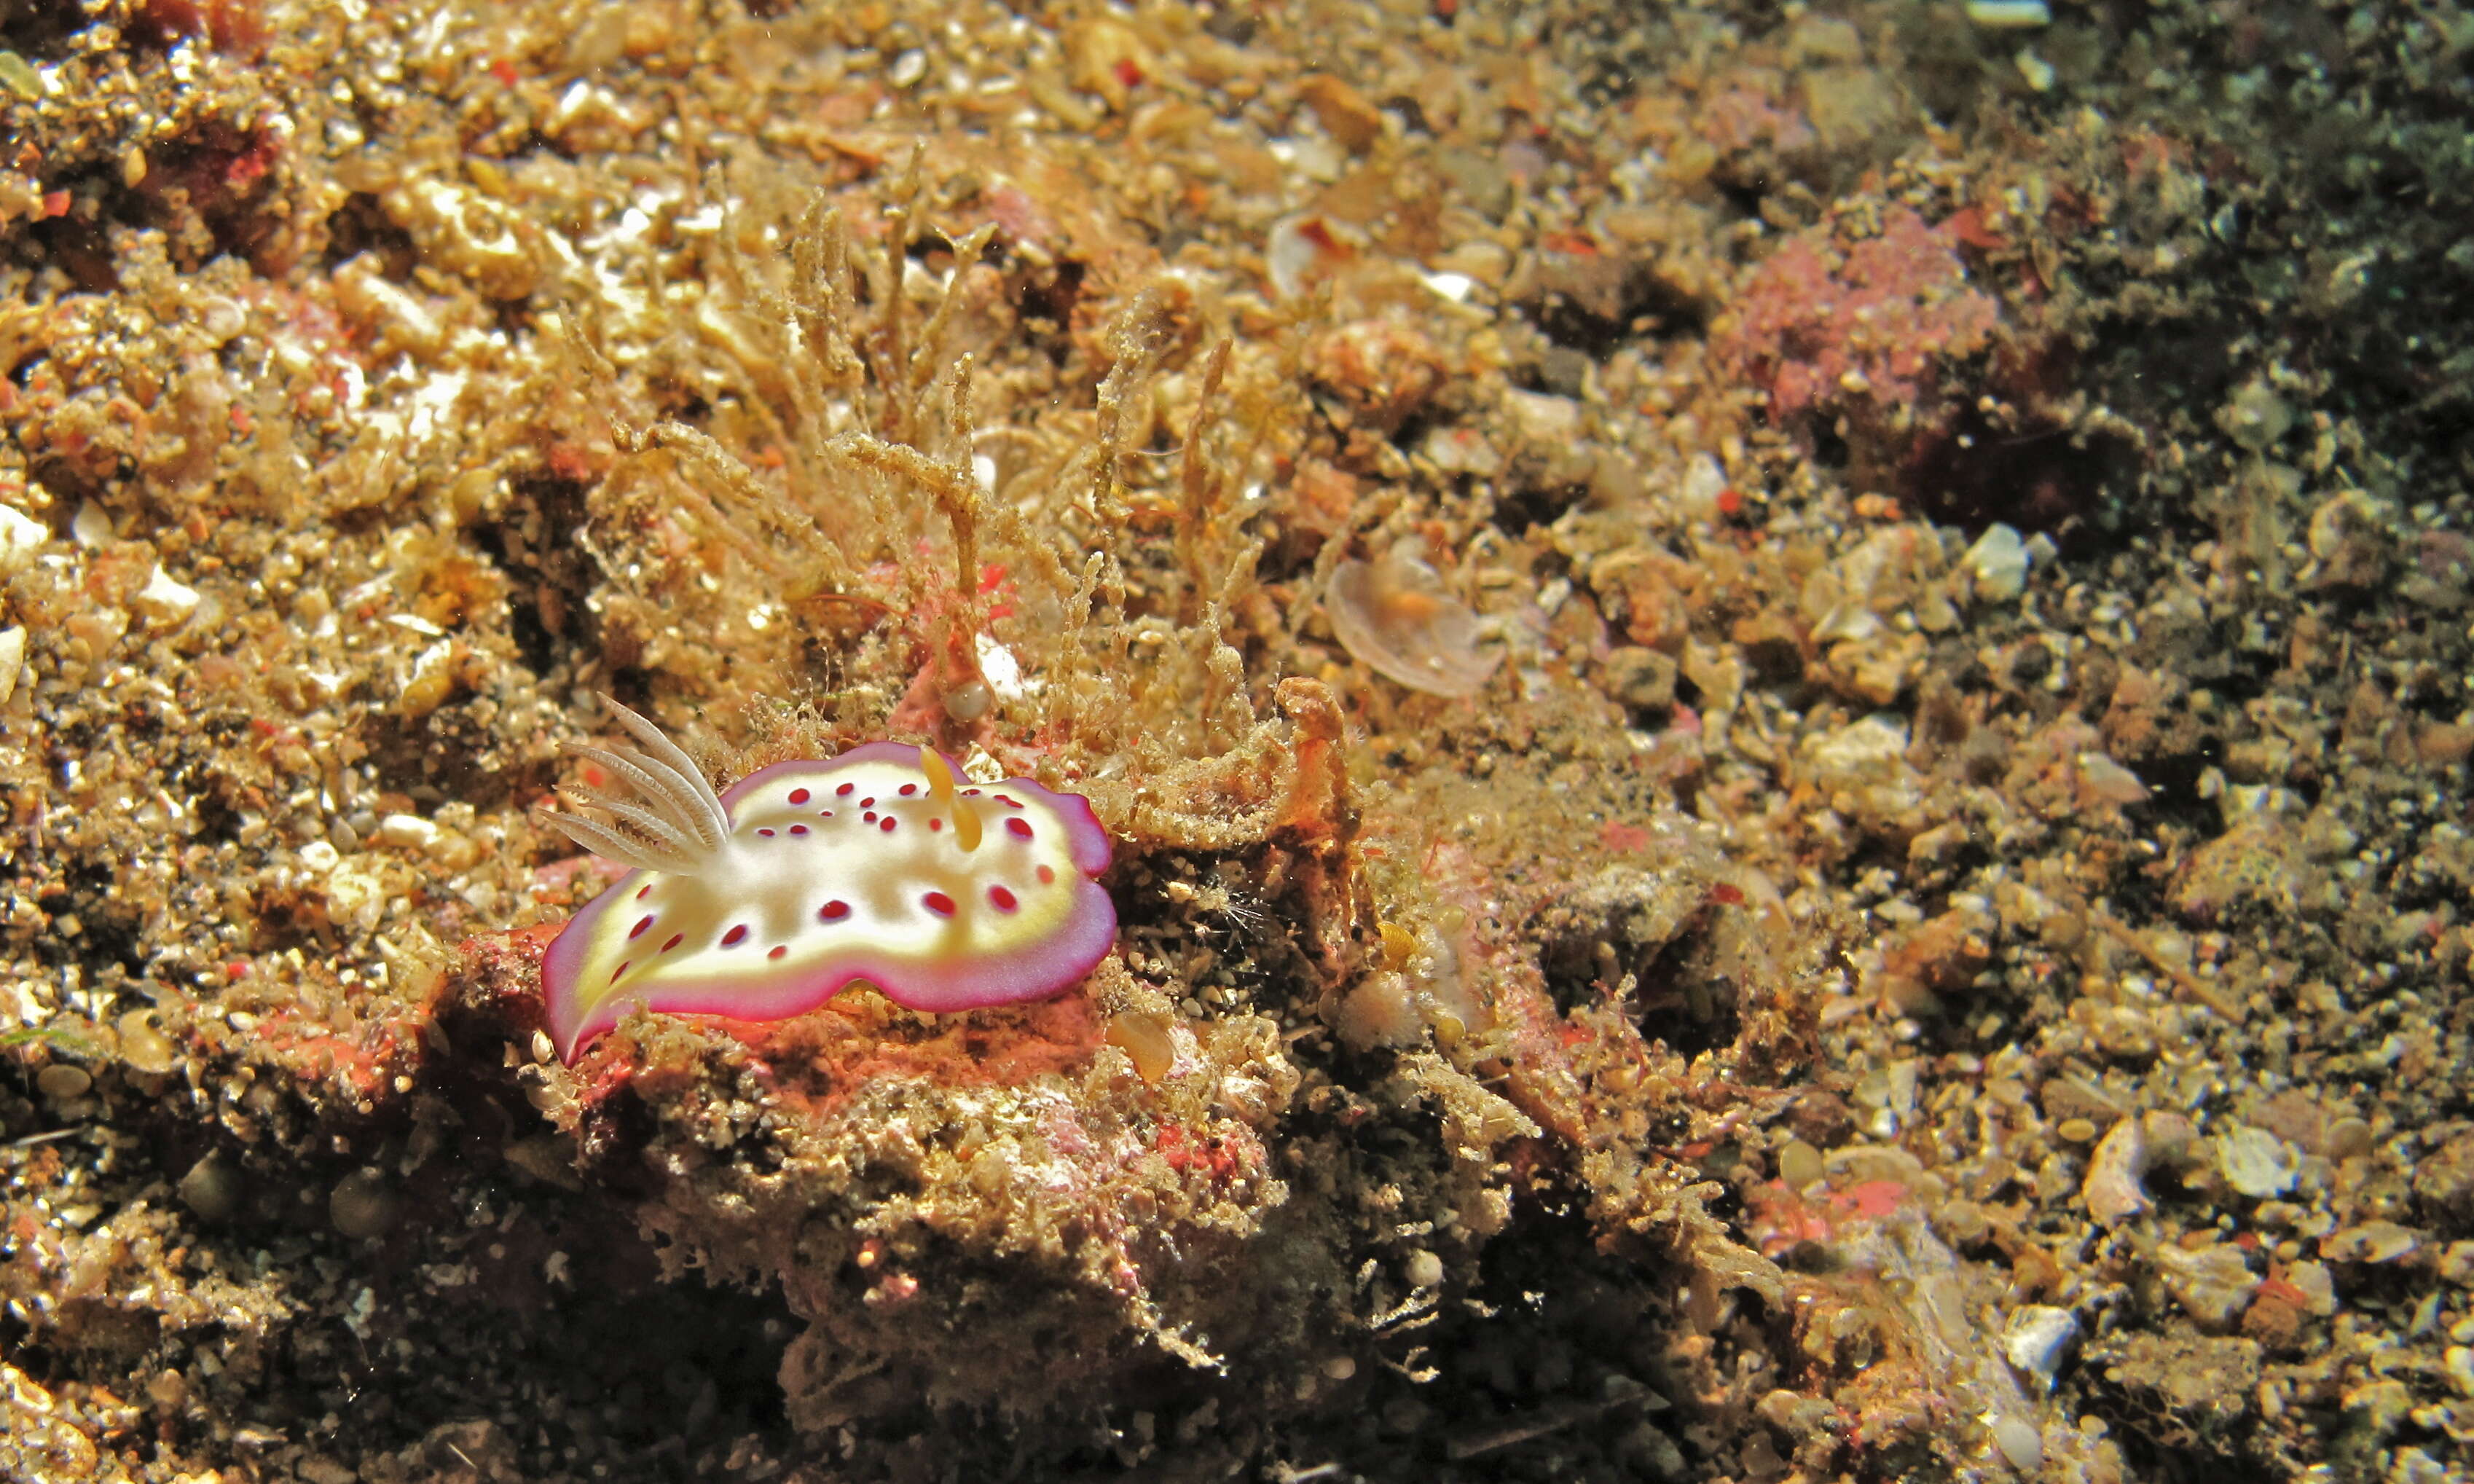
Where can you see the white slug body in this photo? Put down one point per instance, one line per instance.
(806, 877)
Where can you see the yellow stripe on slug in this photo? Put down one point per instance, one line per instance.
(940, 788)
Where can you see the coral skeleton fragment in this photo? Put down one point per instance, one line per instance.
(884, 864)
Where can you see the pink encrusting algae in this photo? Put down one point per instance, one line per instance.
(767, 901)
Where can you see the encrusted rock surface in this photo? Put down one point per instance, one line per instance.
(1923, 936)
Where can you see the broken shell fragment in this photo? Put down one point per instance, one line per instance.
(2256, 1162)
(1301, 250)
(2035, 1339)
(2112, 1188)
(1393, 615)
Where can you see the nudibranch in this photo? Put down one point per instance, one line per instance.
(884, 864)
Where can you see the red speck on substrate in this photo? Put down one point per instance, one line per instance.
(1184, 1152)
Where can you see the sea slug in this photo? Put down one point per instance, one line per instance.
(764, 902)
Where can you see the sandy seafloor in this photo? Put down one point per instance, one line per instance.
(1783, 691)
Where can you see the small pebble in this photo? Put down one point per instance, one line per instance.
(2348, 1139)
(61, 1082)
(211, 1190)
(22, 77)
(2112, 1188)
(969, 701)
(408, 830)
(2256, 417)
(165, 601)
(2020, 1443)
(2371, 1242)
(363, 1205)
(2008, 14)
(21, 537)
(1640, 678)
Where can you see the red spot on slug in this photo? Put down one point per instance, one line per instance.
(779, 949)
(935, 824)
(1020, 828)
(844, 792)
(767, 834)
(799, 829)
(734, 936)
(939, 903)
(798, 795)
(834, 911)
(1003, 899)
(638, 930)
(909, 789)
(620, 970)
(643, 891)
(887, 824)
(1047, 874)
(677, 939)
